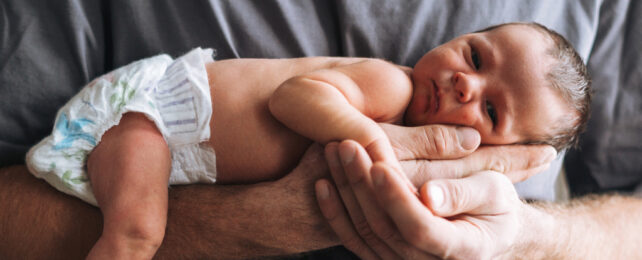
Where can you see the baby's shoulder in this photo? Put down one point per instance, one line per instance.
(382, 73)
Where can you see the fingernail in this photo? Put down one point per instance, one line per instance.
(436, 196)
(346, 154)
(322, 191)
(377, 176)
(468, 138)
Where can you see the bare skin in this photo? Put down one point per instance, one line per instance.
(477, 215)
(258, 147)
(204, 221)
(131, 189)
(267, 112)
(220, 221)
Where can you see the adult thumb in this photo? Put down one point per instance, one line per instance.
(482, 193)
(432, 141)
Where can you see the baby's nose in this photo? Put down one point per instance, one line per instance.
(465, 86)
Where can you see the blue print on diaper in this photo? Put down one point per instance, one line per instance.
(71, 130)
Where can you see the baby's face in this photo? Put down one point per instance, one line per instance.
(492, 81)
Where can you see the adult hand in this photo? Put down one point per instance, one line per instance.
(413, 146)
(473, 217)
(423, 151)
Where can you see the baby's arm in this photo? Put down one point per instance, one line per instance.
(346, 102)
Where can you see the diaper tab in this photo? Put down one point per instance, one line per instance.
(182, 97)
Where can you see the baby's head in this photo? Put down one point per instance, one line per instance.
(514, 83)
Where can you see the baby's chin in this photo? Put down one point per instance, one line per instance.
(406, 119)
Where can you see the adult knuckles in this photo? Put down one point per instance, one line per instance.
(384, 231)
(498, 162)
(522, 156)
(417, 171)
(366, 233)
(501, 192)
(398, 140)
(356, 180)
(516, 157)
(457, 197)
(424, 170)
(539, 157)
(437, 140)
(368, 236)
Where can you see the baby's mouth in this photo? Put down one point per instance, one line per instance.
(435, 95)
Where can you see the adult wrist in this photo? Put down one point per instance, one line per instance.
(539, 233)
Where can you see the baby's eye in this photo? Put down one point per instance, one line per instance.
(475, 58)
(490, 109)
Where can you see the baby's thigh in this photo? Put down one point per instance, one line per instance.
(134, 145)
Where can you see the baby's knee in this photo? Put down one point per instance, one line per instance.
(146, 234)
(141, 232)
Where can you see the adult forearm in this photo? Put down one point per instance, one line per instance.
(38, 222)
(595, 227)
(205, 221)
(243, 222)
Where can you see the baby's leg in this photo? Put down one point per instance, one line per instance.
(129, 172)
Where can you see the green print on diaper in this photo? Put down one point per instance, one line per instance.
(80, 155)
(66, 177)
(120, 98)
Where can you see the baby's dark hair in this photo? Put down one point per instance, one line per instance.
(569, 76)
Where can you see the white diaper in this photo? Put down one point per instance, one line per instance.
(175, 94)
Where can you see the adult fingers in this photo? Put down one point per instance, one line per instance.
(517, 162)
(416, 223)
(465, 236)
(338, 219)
(431, 141)
(380, 228)
(379, 151)
(336, 159)
(482, 193)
